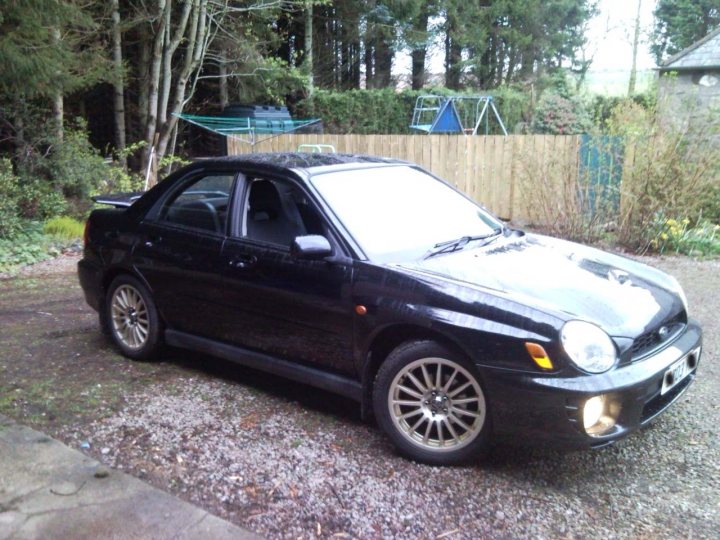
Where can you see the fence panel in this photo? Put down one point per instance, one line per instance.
(502, 173)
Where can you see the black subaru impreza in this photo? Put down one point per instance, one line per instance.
(372, 278)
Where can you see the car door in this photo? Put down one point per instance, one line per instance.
(179, 251)
(295, 309)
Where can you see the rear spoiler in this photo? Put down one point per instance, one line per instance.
(118, 200)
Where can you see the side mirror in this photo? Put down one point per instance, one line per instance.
(312, 246)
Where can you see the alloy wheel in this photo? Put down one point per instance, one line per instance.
(130, 320)
(437, 404)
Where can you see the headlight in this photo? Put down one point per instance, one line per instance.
(588, 346)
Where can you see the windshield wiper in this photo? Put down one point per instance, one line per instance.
(459, 243)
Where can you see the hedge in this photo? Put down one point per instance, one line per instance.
(387, 111)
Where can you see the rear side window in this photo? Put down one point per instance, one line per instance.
(202, 205)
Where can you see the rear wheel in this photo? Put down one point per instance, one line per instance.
(132, 318)
(430, 402)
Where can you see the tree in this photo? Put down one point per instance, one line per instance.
(48, 49)
(680, 23)
(417, 37)
(118, 84)
(505, 41)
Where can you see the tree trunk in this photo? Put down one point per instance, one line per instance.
(636, 44)
(383, 62)
(58, 108)
(420, 51)
(154, 89)
(118, 86)
(58, 103)
(195, 46)
(143, 80)
(453, 57)
(222, 82)
(369, 57)
(308, 60)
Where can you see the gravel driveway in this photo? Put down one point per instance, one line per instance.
(290, 461)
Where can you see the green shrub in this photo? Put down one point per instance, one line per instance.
(64, 227)
(671, 169)
(40, 199)
(59, 176)
(26, 246)
(558, 115)
(710, 203)
(387, 111)
(601, 107)
(9, 194)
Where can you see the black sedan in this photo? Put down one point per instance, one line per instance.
(371, 278)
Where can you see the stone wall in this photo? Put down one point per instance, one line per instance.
(690, 96)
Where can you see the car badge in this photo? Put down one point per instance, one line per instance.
(663, 333)
(619, 276)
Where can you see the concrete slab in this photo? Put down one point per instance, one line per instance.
(48, 490)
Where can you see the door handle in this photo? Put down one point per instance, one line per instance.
(245, 261)
(152, 241)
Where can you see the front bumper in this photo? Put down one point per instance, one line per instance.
(548, 409)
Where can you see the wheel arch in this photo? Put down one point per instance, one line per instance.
(108, 276)
(388, 339)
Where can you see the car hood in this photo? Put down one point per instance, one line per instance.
(568, 280)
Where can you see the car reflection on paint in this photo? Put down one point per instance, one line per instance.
(371, 278)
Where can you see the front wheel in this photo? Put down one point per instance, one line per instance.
(132, 318)
(431, 404)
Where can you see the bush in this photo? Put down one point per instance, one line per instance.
(26, 246)
(58, 177)
(64, 227)
(558, 115)
(667, 170)
(387, 111)
(9, 194)
(671, 169)
(40, 199)
(601, 107)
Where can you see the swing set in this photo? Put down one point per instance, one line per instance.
(454, 114)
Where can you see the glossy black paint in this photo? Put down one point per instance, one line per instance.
(291, 310)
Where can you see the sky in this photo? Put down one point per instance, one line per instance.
(610, 35)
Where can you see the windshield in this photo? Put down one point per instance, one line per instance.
(399, 213)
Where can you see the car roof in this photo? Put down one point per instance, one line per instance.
(310, 162)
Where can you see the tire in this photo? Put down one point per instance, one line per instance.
(132, 318)
(443, 422)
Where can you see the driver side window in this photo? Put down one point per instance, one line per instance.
(277, 212)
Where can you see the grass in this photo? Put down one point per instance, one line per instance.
(64, 227)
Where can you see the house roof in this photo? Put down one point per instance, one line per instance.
(702, 54)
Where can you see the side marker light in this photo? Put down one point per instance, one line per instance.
(538, 354)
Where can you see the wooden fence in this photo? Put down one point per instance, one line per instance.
(502, 173)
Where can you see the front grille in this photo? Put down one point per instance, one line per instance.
(648, 341)
(645, 342)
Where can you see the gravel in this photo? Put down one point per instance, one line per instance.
(289, 461)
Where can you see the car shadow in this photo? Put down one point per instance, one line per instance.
(278, 387)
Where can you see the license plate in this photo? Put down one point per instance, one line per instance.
(677, 372)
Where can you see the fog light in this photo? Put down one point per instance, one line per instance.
(593, 411)
(598, 415)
